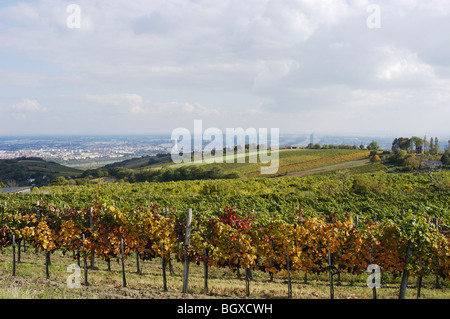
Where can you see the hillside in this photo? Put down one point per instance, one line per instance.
(143, 161)
(33, 171)
(291, 162)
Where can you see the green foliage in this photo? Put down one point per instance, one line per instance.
(364, 186)
(20, 170)
(373, 146)
(401, 143)
(398, 157)
(445, 159)
(59, 181)
(362, 194)
(375, 158)
(187, 172)
(412, 162)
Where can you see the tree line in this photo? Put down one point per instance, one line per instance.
(194, 172)
(410, 152)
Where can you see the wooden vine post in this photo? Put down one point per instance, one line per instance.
(138, 268)
(205, 269)
(271, 261)
(164, 261)
(124, 280)
(247, 282)
(405, 276)
(14, 255)
(289, 273)
(331, 275)
(38, 216)
(47, 263)
(91, 224)
(18, 249)
(374, 289)
(436, 226)
(86, 283)
(186, 248)
(419, 279)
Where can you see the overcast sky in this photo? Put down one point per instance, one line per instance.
(150, 66)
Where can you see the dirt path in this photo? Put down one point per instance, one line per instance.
(350, 164)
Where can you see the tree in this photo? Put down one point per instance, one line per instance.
(405, 143)
(81, 181)
(431, 146)
(395, 145)
(445, 159)
(373, 146)
(436, 146)
(2, 185)
(401, 143)
(425, 143)
(418, 144)
(59, 181)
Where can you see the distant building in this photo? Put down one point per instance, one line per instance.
(311, 138)
(16, 190)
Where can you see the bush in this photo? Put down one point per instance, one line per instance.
(412, 162)
(375, 159)
(365, 186)
(398, 158)
(59, 181)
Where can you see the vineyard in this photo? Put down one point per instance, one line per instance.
(330, 225)
(289, 161)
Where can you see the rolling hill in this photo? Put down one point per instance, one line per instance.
(291, 162)
(33, 171)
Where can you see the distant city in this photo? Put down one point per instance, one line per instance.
(79, 151)
(90, 151)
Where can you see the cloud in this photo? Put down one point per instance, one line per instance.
(28, 106)
(21, 109)
(404, 65)
(261, 59)
(118, 103)
(185, 108)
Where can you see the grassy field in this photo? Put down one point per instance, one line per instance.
(30, 282)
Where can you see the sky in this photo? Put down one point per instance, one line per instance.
(144, 67)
